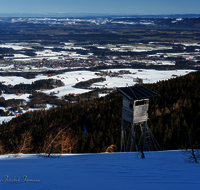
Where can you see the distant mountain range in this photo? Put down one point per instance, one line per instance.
(176, 21)
(96, 15)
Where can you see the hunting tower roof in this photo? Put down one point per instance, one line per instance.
(137, 92)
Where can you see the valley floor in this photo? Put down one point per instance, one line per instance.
(71, 78)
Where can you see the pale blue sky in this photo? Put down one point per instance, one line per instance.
(102, 6)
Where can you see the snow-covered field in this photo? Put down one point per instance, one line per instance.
(47, 53)
(137, 48)
(15, 46)
(71, 78)
(165, 170)
(65, 54)
(148, 76)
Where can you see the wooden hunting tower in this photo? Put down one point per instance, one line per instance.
(135, 133)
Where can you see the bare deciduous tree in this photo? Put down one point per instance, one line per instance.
(1, 148)
(24, 142)
(191, 150)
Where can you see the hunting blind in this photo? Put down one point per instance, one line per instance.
(135, 133)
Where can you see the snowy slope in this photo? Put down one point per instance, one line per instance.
(165, 170)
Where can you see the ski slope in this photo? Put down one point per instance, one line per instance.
(164, 170)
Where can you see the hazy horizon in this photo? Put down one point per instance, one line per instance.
(128, 7)
(96, 15)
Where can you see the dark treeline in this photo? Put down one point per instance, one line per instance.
(30, 88)
(37, 100)
(177, 107)
(94, 125)
(40, 99)
(30, 75)
(10, 52)
(27, 75)
(87, 95)
(88, 83)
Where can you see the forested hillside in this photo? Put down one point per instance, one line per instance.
(94, 125)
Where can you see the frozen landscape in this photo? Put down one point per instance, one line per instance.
(160, 49)
(159, 170)
(146, 49)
